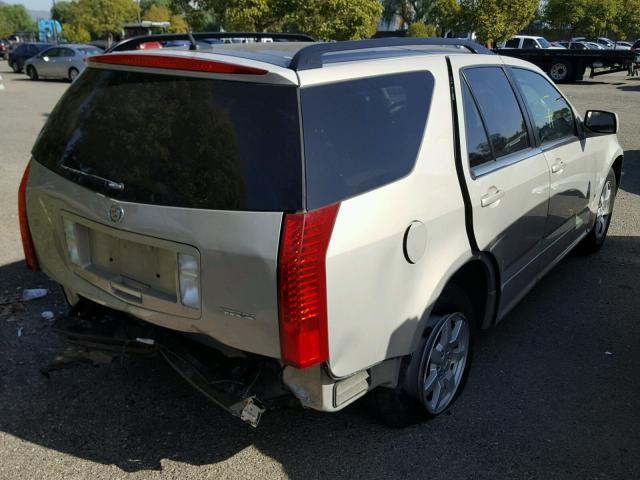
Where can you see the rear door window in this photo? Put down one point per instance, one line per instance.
(178, 141)
(478, 147)
(499, 109)
(529, 43)
(362, 134)
(513, 43)
(552, 116)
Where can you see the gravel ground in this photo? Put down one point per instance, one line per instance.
(554, 391)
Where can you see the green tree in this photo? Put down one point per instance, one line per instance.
(104, 17)
(63, 12)
(14, 18)
(162, 13)
(252, 15)
(322, 19)
(147, 4)
(200, 15)
(592, 17)
(445, 14)
(335, 19)
(497, 20)
(629, 20)
(75, 33)
(421, 30)
(157, 13)
(409, 11)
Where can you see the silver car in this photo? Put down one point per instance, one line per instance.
(62, 61)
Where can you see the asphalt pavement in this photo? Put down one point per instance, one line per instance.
(554, 392)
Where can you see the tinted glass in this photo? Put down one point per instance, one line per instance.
(513, 43)
(500, 110)
(552, 116)
(543, 42)
(529, 43)
(52, 52)
(362, 134)
(66, 52)
(478, 148)
(178, 141)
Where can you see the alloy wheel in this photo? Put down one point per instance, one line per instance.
(443, 370)
(604, 210)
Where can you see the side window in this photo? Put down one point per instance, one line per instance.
(362, 134)
(529, 43)
(552, 115)
(51, 53)
(66, 52)
(513, 43)
(499, 109)
(478, 148)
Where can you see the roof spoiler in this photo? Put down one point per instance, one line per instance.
(134, 42)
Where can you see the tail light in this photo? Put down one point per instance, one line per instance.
(27, 242)
(302, 286)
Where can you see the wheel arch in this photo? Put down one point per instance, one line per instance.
(617, 169)
(479, 279)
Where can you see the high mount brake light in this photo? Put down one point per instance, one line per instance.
(25, 233)
(175, 63)
(302, 286)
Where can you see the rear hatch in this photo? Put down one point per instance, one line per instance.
(161, 193)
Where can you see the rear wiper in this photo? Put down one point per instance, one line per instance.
(101, 181)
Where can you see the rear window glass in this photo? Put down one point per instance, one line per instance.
(178, 141)
(362, 134)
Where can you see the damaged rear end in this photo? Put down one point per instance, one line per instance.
(158, 192)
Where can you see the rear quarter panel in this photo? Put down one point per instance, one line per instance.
(376, 298)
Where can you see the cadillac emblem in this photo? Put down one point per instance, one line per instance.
(116, 213)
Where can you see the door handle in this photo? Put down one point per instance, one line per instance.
(557, 167)
(492, 197)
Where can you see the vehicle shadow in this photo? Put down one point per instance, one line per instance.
(45, 80)
(535, 401)
(629, 88)
(630, 181)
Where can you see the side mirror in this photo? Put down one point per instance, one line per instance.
(599, 121)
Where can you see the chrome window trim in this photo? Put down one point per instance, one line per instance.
(560, 142)
(503, 162)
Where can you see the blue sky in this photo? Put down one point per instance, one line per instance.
(33, 4)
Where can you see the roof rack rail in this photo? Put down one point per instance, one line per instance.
(133, 42)
(311, 56)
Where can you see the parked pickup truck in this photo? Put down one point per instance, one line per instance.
(311, 222)
(569, 65)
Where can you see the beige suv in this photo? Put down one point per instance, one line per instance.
(319, 221)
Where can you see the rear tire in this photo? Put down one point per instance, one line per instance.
(433, 377)
(560, 71)
(32, 72)
(73, 73)
(598, 233)
(15, 67)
